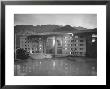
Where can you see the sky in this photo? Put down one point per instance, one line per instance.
(82, 20)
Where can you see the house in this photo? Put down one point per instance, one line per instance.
(56, 40)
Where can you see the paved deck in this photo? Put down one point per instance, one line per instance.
(71, 66)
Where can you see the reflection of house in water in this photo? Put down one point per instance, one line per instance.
(56, 40)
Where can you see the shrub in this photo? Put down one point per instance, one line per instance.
(21, 54)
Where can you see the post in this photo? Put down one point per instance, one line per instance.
(15, 46)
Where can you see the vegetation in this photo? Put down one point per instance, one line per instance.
(21, 54)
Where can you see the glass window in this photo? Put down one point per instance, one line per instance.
(76, 36)
(59, 51)
(81, 40)
(81, 48)
(72, 49)
(76, 40)
(68, 44)
(80, 52)
(81, 44)
(59, 43)
(72, 40)
(76, 44)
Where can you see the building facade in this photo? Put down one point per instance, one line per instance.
(58, 45)
(60, 42)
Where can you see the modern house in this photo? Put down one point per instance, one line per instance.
(53, 39)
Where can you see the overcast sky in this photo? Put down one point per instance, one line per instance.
(83, 20)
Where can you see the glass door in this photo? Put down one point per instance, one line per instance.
(58, 46)
(50, 45)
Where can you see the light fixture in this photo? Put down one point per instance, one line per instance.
(66, 37)
(93, 40)
(70, 33)
(94, 35)
(76, 36)
(70, 52)
(65, 48)
(53, 41)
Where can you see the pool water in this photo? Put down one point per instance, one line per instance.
(55, 67)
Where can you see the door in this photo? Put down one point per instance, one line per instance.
(58, 46)
(50, 45)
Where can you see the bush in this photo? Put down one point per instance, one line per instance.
(21, 54)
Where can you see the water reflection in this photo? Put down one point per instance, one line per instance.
(51, 67)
